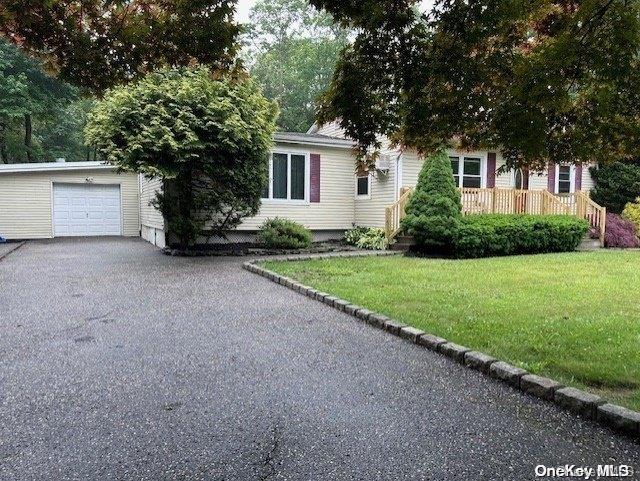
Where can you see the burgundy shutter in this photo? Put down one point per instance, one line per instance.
(551, 185)
(315, 177)
(491, 170)
(578, 182)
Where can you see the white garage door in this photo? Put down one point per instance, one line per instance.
(86, 210)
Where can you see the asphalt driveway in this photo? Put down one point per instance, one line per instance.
(117, 362)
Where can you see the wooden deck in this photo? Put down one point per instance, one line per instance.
(510, 201)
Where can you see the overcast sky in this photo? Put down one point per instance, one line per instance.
(244, 6)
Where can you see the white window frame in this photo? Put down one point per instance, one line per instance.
(471, 155)
(307, 178)
(572, 178)
(368, 194)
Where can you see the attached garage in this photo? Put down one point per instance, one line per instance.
(86, 210)
(67, 199)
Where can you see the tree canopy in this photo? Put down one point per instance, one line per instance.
(31, 100)
(545, 80)
(208, 136)
(100, 43)
(293, 53)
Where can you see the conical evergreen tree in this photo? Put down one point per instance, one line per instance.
(435, 209)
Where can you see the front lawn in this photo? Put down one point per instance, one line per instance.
(574, 317)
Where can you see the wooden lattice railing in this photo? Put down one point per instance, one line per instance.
(511, 201)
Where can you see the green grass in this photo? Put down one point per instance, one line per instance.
(574, 317)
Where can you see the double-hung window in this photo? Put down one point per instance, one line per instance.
(565, 180)
(467, 171)
(288, 174)
(363, 186)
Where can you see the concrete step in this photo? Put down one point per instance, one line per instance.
(589, 244)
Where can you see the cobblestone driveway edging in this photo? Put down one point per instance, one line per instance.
(582, 403)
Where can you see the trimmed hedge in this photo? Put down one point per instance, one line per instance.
(284, 234)
(502, 235)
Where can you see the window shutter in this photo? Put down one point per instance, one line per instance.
(578, 182)
(491, 170)
(315, 178)
(551, 178)
(525, 178)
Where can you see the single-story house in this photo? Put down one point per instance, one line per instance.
(312, 181)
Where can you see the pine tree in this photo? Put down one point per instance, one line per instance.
(435, 208)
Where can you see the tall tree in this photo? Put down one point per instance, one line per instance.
(208, 137)
(27, 92)
(100, 43)
(547, 80)
(294, 49)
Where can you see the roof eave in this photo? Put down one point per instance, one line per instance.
(54, 167)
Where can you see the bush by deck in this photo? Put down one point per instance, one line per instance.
(572, 316)
(500, 235)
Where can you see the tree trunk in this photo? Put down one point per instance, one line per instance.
(28, 136)
(186, 203)
(4, 158)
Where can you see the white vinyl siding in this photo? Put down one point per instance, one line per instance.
(151, 220)
(587, 180)
(26, 200)
(336, 209)
(332, 130)
(149, 215)
(370, 210)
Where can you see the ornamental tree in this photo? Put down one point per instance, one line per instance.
(207, 136)
(435, 209)
(547, 81)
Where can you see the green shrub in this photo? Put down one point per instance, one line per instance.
(632, 213)
(367, 238)
(284, 234)
(434, 210)
(373, 239)
(617, 184)
(500, 235)
(352, 236)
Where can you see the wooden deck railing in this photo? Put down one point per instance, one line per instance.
(396, 212)
(511, 201)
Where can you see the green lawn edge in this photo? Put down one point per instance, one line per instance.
(574, 317)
